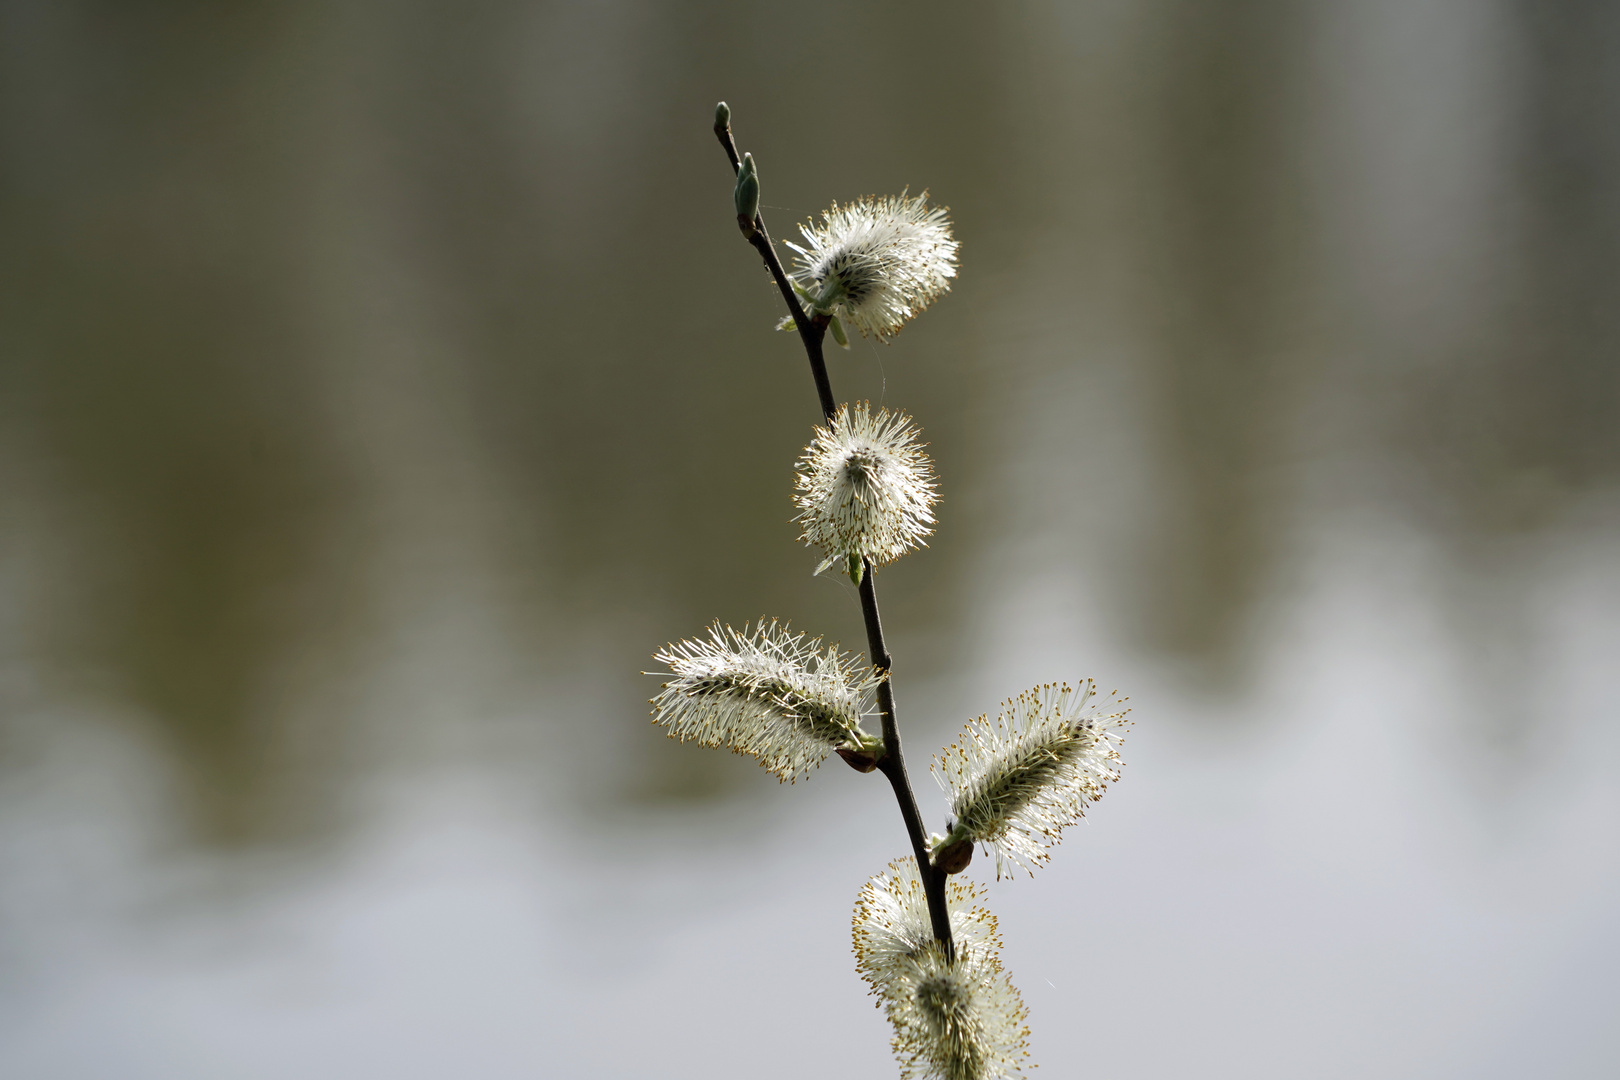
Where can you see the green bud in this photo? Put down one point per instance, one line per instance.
(746, 195)
(722, 117)
(837, 329)
(853, 563)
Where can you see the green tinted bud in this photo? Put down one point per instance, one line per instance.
(837, 329)
(722, 117)
(746, 195)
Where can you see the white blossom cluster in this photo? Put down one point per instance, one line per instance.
(958, 1019)
(769, 694)
(865, 487)
(1016, 782)
(877, 262)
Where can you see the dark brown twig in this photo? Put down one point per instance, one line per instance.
(893, 765)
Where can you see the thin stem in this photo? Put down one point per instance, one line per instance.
(812, 330)
(893, 765)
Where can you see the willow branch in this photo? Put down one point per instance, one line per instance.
(812, 332)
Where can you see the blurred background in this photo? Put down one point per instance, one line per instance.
(382, 384)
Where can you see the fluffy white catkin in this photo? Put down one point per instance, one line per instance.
(877, 262)
(956, 1019)
(865, 487)
(1014, 783)
(776, 696)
